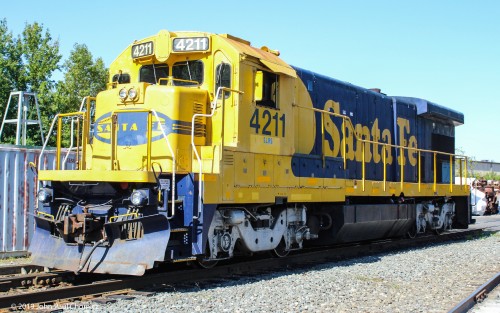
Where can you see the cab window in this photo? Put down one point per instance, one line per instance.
(269, 90)
(223, 77)
(121, 78)
(188, 73)
(152, 73)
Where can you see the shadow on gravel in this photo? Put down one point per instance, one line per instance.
(266, 270)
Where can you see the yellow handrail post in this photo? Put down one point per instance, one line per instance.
(114, 120)
(465, 160)
(451, 173)
(460, 169)
(363, 164)
(419, 171)
(77, 157)
(385, 166)
(402, 166)
(344, 145)
(148, 148)
(435, 172)
(86, 131)
(323, 139)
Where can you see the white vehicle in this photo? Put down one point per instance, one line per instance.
(478, 201)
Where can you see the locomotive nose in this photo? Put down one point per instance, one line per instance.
(136, 134)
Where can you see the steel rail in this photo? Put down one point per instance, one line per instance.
(34, 279)
(477, 295)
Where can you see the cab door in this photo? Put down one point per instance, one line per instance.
(225, 122)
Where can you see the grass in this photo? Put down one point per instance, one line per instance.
(15, 260)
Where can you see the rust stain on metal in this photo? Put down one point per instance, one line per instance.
(18, 184)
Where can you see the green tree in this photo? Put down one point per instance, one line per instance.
(5, 64)
(27, 63)
(83, 76)
(41, 57)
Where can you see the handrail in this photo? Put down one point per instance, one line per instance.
(47, 140)
(59, 132)
(71, 144)
(173, 164)
(85, 101)
(85, 115)
(385, 145)
(213, 107)
(58, 118)
(170, 80)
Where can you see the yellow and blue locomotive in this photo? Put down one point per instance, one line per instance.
(203, 147)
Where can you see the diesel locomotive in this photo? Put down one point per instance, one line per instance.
(204, 147)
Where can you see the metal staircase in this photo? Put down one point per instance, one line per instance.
(25, 103)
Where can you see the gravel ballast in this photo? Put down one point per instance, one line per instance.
(429, 279)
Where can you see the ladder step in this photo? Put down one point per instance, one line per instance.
(191, 258)
(175, 201)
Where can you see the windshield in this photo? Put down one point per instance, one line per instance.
(153, 72)
(188, 73)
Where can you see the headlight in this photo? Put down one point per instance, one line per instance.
(139, 197)
(44, 195)
(123, 94)
(132, 93)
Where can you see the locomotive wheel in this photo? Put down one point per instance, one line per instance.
(203, 262)
(412, 233)
(439, 231)
(206, 264)
(280, 251)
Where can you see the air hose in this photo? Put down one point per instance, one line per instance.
(88, 255)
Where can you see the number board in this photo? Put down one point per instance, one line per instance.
(142, 50)
(191, 44)
(273, 125)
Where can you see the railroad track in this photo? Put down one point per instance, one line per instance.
(106, 290)
(32, 276)
(477, 296)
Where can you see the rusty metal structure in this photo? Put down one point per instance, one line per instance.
(18, 185)
(491, 195)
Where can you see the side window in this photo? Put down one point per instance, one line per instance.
(152, 73)
(188, 73)
(121, 78)
(270, 87)
(223, 77)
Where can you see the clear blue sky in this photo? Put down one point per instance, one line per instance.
(445, 51)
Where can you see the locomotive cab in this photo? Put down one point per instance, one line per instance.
(135, 148)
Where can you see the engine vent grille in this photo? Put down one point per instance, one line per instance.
(200, 129)
(228, 158)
